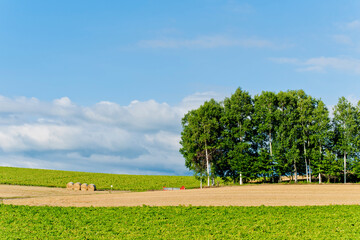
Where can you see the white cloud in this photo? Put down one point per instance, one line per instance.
(164, 139)
(343, 39)
(142, 137)
(347, 38)
(63, 102)
(343, 64)
(354, 25)
(322, 64)
(206, 42)
(195, 100)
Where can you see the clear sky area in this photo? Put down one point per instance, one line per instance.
(102, 86)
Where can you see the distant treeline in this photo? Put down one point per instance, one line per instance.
(272, 135)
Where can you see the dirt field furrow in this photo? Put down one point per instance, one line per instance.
(249, 195)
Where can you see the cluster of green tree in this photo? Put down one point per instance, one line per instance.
(270, 136)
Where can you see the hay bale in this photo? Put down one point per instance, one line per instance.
(84, 187)
(91, 187)
(77, 186)
(70, 186)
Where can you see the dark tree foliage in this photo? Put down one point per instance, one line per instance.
(237, 135)
(265, 121)
(272, 135)
(200, 138)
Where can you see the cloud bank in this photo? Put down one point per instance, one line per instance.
(140, 138)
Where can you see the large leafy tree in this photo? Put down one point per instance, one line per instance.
(200, 138)
(331, 165)
(265, 107)
(321, 139)
(305, 108)
(346, 129)
(237, 134)
(273, 134)
(356, 155)
(288, 137)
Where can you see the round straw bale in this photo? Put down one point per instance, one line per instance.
(91, 187)
(77, 186)
(70, 185)
(84, 187)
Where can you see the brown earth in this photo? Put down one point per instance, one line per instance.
(248, 195)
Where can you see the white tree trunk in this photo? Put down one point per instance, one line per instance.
(207, 165)
(306, 165)
(320, 159)
(200, 183)
(241, 180)
(295, 172)
(309, 171)
(345, 167)
(270, 141)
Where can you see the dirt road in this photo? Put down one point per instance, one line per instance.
(248, 195)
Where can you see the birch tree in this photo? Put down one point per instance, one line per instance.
(321, 137)
(305, 107)
(346, 128)
(265, 116)
(288, 138)
(265, 107)
(237, 120)
(200, 138)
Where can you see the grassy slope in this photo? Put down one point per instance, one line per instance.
(54, 178)
(314, 222)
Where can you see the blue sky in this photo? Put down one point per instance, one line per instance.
(102, 86)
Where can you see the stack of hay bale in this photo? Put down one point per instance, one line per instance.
(78, 186)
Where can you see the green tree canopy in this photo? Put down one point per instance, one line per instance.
(237, 133)
(200, 137)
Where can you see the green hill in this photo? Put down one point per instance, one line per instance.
(103, 181)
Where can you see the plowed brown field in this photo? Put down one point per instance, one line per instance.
(248, 195)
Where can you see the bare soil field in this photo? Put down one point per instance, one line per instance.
(16, 191)
(248, 195)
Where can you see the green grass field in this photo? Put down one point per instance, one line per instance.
(313, 222)
(103, 181)
(54, 178)
(182, 222)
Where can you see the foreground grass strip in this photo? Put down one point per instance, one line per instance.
(312, 222)
(55, 178)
